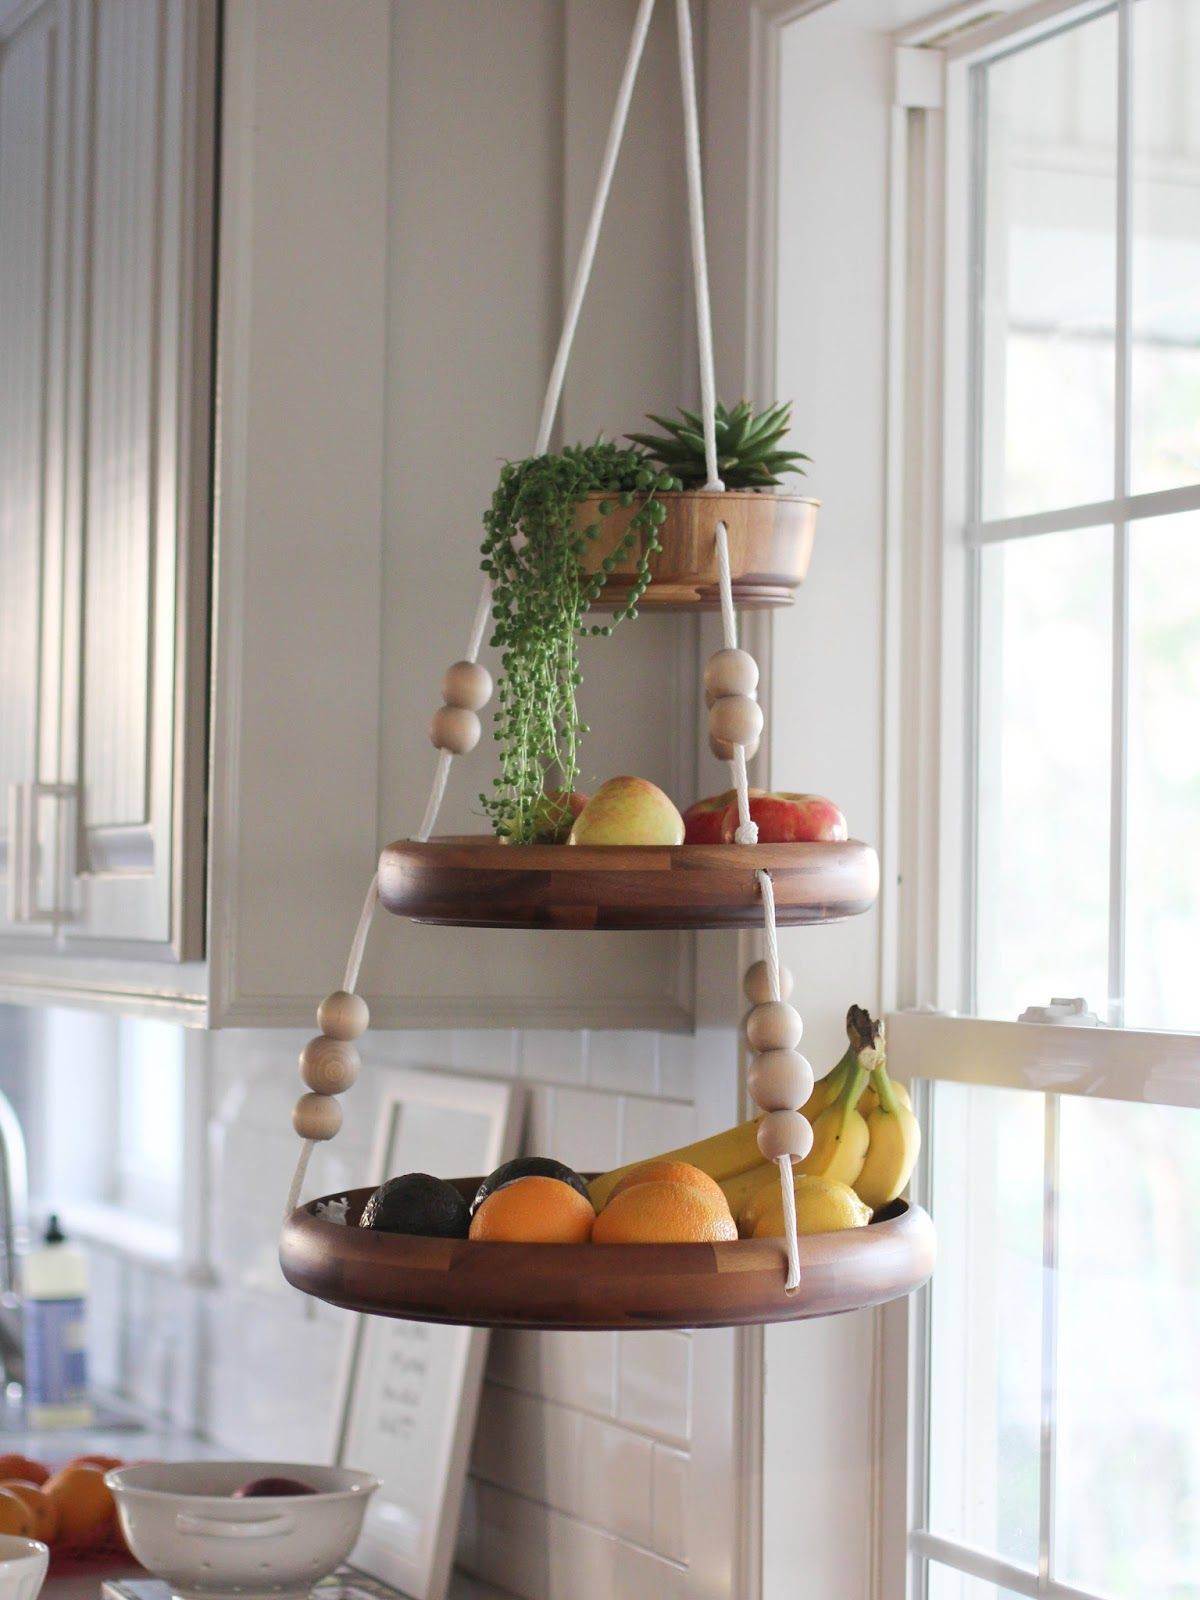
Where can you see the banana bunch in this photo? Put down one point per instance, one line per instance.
(865, 1144)
(864, 1130)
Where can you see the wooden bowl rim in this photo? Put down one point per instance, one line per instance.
(616, 857)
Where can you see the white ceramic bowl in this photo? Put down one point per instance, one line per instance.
(181, 1523)
(23, 1564)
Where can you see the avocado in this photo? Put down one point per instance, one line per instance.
(417, 1203)
(527, 1167)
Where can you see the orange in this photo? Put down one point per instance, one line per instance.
(85, 1507)
(666, 1171)
(41, 1507)
(14, 1466)
(15, 1515)
(664, 1213)
(534, 1211)
(105, 1463)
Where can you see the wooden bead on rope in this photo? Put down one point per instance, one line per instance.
(784, 1133)
(774, 1025)
(779, 1080)
(342, 1015)
(467, 685)
(731, 671)
(756, 985)
(723, 750)
(317, 1116)
(736, 719)
(329, 1066)
(456, 729)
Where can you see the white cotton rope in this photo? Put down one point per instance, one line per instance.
(550, 404)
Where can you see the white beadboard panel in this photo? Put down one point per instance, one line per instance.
(554, 1454)
(651, 1126)
(577, 1369)
(669, 1534)
(587, 1129)
(554, 1055)
(654, 1384)
(623, 1060)
(542, 1554)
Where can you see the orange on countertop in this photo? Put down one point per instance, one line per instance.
(42, 1507)
(86, 1513)
(664, 1213)
(667, 1171)
(15, 1515)
(16, 1466)
(534, 1210)
(105, 1463)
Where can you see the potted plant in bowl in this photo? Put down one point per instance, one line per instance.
(539, 555)
(770, 533)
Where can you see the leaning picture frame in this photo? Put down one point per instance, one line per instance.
(409, 1391)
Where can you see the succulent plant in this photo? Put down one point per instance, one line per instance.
(748, 446)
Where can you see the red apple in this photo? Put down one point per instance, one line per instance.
(702, 822)
(788, 819)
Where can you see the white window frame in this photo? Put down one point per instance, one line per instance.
(933, 539)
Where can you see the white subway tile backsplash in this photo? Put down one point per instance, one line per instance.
(669, 1533)
(578, 1369)
(676, 1066)
(553, 1055)
(623, 1060)
(587, 1129)
(491, 1052)
(654, 1383)
(651, 1126)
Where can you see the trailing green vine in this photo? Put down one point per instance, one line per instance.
(532, 550)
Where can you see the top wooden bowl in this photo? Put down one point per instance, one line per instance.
(770, 543)
(475, 881)
(597, 1286)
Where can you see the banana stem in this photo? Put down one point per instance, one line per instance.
(856, 1079)
(880, 1081)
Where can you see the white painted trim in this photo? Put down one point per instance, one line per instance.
(1096, 514)
(1129, 1064)
(990, 1569)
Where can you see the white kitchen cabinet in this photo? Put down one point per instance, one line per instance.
(106, 206)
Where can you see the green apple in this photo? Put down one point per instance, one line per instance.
(628, 811)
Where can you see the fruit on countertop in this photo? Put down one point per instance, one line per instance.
(527, 1167)
(664, 1212)
(789, 819)
(86, 1513)
(628, 811)
(664, 1170)
(535, 1210)
(722, 1155)
(417, 1203)
(15, 1516)
(17, 1466)
(822, 1206)
(43, 1509)
(271, 1489)
(703, 821)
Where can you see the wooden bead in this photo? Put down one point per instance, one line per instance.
(329, 1066)
(723, 750)
(455, 728)
(779, 1080)
(468, 685)
(731, 672)
(774, 1025)
(736, 719)
(317, 1116)
(756, 985)
(342, 1015)
(784, 1133)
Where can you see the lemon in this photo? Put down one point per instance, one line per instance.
(823, 1205)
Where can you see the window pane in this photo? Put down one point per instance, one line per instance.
(1127, 1486)
(1165, 414)
(1049, 260)
(1044, 771)
(1163, 934)
(946, 1584)
(985, 1320)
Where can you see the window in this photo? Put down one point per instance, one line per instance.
(1052, 197)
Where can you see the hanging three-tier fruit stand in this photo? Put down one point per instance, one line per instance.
(711, 548)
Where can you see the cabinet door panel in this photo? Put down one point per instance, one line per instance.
(139, 512)
(32, 185)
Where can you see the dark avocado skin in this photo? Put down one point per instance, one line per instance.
(527, 1167)
(417, 1203)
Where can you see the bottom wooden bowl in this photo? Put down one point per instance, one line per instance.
(589, 1286)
